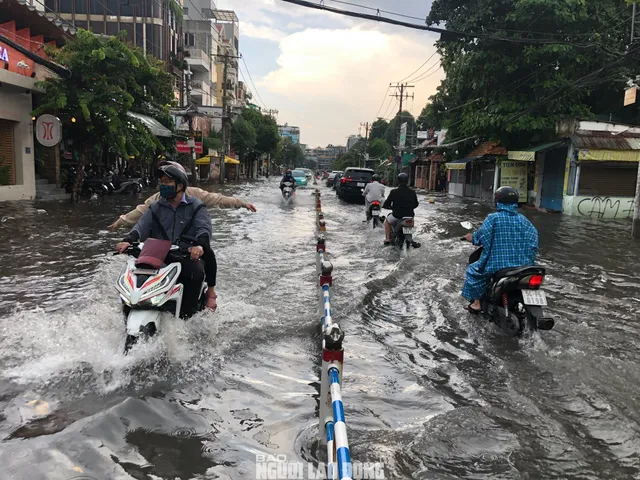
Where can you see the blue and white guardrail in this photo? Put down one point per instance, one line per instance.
(333, 428)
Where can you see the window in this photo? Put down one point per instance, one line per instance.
(126, 10)
(81, 7)
(139, 34)
(97, 28)
(50, 5)
(66, 6)
(81, 24)
(112, 28)
(366, 175)
(128, 27)
(112, 6)
(185, 10)
(189, 39)
(97, 7)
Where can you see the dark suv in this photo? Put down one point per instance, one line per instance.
(353, 182)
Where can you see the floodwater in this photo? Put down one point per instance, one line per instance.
(428, 390)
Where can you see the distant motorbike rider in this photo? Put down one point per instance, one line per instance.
(402, 202)
(508, 240)
(373, 192)
(210, 199)
(180, 218)
(288, 178)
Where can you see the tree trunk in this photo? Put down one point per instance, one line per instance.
(77, 186)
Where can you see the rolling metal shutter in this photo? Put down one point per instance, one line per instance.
(608, 180)
(6, 149)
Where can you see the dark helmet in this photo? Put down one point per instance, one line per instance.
(288, 171)
(403, 178)
(175, 164)
(175, 173)
(376, 178)
(506, 195)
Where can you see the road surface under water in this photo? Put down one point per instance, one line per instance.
(428, 390)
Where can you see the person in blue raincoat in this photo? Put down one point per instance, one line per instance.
(508, 239)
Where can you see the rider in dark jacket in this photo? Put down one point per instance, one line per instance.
(402, 201)
(288, 178)
(180, 218)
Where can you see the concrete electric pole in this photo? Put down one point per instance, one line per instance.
(366, 142)
(402, 95)
(635, 229)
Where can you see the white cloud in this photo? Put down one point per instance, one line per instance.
(294, 26)
(328, 81)
(261, 31)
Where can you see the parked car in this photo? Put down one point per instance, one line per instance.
(331, 177)
(353, 182)
(300, 177)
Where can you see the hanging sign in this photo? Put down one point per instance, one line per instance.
(514, 174)
(48, 130)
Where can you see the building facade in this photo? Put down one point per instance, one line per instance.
(24, 32)
(353, 139)
(201, 42)
(154, 26)
(290, 132)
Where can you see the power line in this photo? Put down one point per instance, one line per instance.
(427, 74)
(419, 68)
(252, 82)
(377, 10)
(383, 99)
(442, 31)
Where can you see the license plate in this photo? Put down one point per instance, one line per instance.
(534, 297)
(361, 184)
(375, 212)
(407, 231)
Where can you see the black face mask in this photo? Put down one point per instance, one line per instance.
(168, 191)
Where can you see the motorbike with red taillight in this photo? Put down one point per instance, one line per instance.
(514, 299)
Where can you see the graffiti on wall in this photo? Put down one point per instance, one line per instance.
(605, 207)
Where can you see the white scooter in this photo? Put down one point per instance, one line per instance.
(287, 191)
(150, 296)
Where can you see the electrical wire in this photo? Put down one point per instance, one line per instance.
(377, 10)
(419, 68)
(383, 100)
(457, 33)
(252, 82)
(427, 74)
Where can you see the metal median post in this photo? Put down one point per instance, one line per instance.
(332, 424)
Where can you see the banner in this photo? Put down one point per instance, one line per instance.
(403, 135)
(514, 174)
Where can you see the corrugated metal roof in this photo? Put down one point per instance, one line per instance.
(606, 142)
(488, 148)
(67, 27)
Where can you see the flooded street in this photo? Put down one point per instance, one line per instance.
(428, 389)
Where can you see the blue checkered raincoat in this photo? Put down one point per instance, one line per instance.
(508, 240)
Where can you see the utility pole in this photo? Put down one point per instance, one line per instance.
(225, 122)
(635, 228)
(191, 140)
(366, 142)
(402, 87)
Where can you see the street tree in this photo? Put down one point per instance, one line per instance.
(391, 135)
(108, 79)
(515, 91)
(378, 129)
(290, 154)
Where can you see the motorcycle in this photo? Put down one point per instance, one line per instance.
(287, 191)
(373, 214)
(402, 233)
(149, 295)
(513, 300)
(131, 186)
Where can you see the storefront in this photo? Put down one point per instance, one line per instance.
(24, 33)
(476, 176)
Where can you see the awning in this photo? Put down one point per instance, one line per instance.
(233, 161)
(460, 164)
(204, 161)
(529, 155)
(609, 155)
(152, 124)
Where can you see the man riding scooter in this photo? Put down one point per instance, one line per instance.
(180, 218)
(373, 192)
(508, 239)
(288, 178)
(402, 202)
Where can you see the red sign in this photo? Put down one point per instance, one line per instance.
(183, 147)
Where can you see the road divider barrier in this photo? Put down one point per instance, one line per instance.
(332, 424)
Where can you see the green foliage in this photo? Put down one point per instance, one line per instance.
(393, 130)
(289, 154)
(254, 134)
(512, 91)
(379, 149)
(378, 129)
(109, 78)
(213, 141)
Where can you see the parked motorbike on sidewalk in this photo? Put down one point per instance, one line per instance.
(513, 300)
(151, 296)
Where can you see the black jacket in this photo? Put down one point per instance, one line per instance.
(401, 201)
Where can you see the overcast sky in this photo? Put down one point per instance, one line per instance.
(327, 73)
